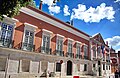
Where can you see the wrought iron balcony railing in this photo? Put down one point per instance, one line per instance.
(28, 47)
(46, 50)
(58, 52)
(70, 54)
(78, 56)
(6, 43)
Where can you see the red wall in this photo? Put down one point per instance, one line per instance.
(38, 34)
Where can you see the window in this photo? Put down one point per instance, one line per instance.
(28, 43)
(103, 66)
(93, 65)
(46, 41)
(106, 67)
(69, 46)
(98, 50)
(6, 33)
(85, 51)
(2, 63)
(78, 48)
(109, 67)
(94, 52)
(85, 67)
(59, 45)
(25, 65)
(58, 67)
(28, 38)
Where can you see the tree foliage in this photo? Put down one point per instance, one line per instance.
(11, 8)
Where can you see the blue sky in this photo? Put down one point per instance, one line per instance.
(89, 16)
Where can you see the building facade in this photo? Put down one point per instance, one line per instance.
(115, 60)
(100, 55)
(38, 45)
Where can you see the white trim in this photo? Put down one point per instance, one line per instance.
(53, 22)
(44, 30)
(31, 28)
(78, 42)
(10, 19)
(71, 42)
(60, 38)
(45, 34)
(60, 35)
(30, 25)
(70, 39)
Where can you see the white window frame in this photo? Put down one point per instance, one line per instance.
(85, 46)
(46, 33)
(10, 21)
(71, 42)
(31, 28)
(94, 51)
(59, 37)
(78, 44)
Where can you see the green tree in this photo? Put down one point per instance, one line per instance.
(11, 8)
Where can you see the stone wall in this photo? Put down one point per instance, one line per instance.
(15, 62)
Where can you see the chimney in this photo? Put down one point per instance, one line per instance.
(71, 22)
(40, 6)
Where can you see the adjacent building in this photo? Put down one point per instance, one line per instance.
(37, 44)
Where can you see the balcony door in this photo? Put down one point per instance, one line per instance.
(28, 42)
(6, 32)
(45, 43)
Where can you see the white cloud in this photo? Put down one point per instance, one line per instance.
(66, 11)
(114, 42)
(54, 9)
(48, 2)
(93, 14)
(117, 1)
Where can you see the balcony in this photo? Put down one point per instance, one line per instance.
(70, 54)
(86, 57)
(78, 56)
(28, 47)
(46, 50)
(59, 53)
(6, 43)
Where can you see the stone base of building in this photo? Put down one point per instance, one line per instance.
(22, 64)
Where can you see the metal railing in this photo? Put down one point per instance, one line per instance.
(28, 47)
(58, 52)
(78, 56)
(70, 54)
(46, 50)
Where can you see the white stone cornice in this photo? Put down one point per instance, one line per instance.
(44, 30)
(60, 35)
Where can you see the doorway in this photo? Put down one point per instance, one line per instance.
(69, 67)
(99, 68)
